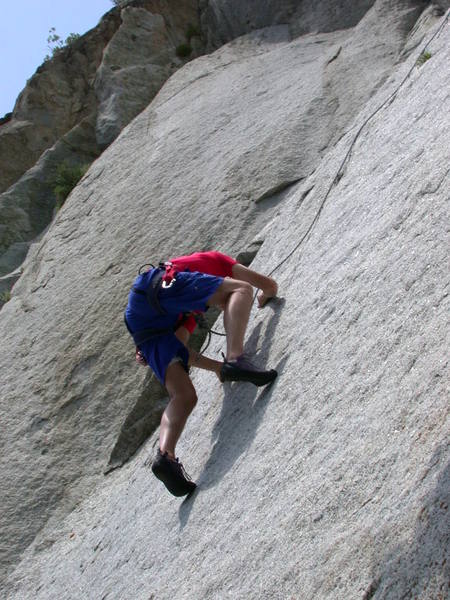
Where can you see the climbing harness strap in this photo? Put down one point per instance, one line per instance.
(152, 292)
(145, 335)
(165, 277)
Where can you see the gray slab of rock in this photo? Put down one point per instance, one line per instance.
(419, 32)
(137, 61)
(443, 4)
(333, 483)
(14, 256)
(224, 131)
(6, 283)
(62, 93)
(343, 463)
(28, 206)
(116, 68)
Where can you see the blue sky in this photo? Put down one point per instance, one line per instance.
(24, 28)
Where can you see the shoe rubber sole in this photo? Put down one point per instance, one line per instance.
(258, 378)
(175, 488)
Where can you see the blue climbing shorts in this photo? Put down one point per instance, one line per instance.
(189, 293)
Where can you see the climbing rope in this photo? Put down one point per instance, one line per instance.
(347, 156)
(201, 322)
(340, 171)
(98, 548)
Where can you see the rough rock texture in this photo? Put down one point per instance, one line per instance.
(224, 20)
(333, 483)
(127, 80)
(28, 206)
(61, 93)
(106, 77)
(58, 96)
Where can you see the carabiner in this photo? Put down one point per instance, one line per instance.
(166, 285)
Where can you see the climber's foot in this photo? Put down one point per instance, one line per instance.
(171, 472)
(242, 369)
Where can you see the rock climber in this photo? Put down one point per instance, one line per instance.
(160, 317)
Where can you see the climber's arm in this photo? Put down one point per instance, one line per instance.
(267, 285)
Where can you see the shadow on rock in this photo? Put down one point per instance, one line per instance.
(140, 423)
(242, 411)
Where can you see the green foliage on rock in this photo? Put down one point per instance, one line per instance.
(55, 43)
(183, 50)
(66, 178)
(423, 58)
(6, 118)
(192, 31)
(5, 297)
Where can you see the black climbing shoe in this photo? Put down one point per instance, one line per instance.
(172, 474)
(242, 369)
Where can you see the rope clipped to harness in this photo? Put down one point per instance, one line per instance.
(202, 324)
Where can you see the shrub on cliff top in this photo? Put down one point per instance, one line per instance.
(55, 43)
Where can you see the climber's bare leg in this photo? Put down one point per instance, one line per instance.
(235, 298)
(183, 398)
(183, 334)
(267, 285)
(195, 358)
(203, 362)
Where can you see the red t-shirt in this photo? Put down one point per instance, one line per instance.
(210, 263)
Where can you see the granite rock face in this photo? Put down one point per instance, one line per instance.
(106, 77)
(58, 96)
(27, 207)
(224, 20)
(332, 483)
(62, 91)
(137, 61)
